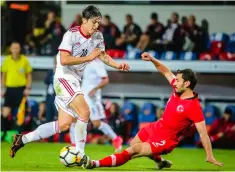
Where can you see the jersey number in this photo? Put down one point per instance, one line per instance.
(161, 143)
(84, 52)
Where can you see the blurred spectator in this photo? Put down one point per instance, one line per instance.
(33, 39)
(192, 35)
(52, 38)
(77, 21)
(159, 112)
(204, 36)
(41, 113)
(16, 81)
(152, 34)
(222, 131)
(172, 38)
(184, 22)
(131, 34)
(110, 32)
(116, 121)
(18, 13)
(51, 111)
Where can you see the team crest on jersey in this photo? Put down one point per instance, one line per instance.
(180, 109)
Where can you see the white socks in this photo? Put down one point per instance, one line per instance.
(72, 134)
(80, 132)
(107, 130)
(43, 131)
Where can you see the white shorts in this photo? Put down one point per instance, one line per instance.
(96, 108)
(66, 91)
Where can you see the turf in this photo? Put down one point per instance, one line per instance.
(45, 157)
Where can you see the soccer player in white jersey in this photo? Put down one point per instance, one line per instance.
(95, 77)
(80, 45)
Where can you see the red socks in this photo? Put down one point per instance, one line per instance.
(156, 158)
(114, 160)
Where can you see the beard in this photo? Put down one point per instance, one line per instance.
(180, 92)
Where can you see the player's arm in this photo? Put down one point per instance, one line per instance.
(110, 62)
(201, 128)
(159, 66)
(104, 82)
(67, 59)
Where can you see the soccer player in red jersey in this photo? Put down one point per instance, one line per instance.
(183, 108)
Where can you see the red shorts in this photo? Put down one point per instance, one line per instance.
(159, 145)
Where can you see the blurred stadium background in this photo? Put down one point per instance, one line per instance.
(196, 35)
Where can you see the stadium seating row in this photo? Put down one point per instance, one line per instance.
(221, 47)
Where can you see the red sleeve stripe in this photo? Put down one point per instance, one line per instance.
(65, 51)
(104, 77)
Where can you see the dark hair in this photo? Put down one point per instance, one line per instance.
(188, 75)
(107, 17)
(129, 16)
(117, 109)
(90, 12)
(229, 111)
(154, 16)
(176, 14)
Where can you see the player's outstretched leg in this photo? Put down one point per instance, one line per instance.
(43, 131)
(118, 159)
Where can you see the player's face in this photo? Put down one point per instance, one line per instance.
(92, 24)
(180, 85)
(15, 49)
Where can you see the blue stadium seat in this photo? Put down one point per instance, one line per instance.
(188, 56)
(169, 55)
(33, 107)
(211, 113)
(232, 107)
(154, 54)
(231, 43)
(219, 36)
(129, 111)
(147, 113)
(133, 53)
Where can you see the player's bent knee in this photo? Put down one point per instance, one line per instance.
(64, 126)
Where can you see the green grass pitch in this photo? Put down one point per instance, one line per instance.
(45, 157)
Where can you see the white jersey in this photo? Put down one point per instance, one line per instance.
(79, 45)
(93, 74)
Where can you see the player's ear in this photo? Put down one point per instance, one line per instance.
(84, 20)
(187, 83)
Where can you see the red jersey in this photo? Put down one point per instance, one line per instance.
(179, 114)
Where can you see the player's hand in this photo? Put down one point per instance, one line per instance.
(26, 92)
(212, 160)
(95, 53)
(123, 66)
(147, 57)
(92, 92)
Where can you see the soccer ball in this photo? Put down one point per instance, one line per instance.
(70, 157)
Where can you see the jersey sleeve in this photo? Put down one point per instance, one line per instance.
(4, 65)
(100, 40)
(66, 44)
(100, 70)
(28, 67)
(196, 113)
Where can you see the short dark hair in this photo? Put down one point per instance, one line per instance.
(188, 75)
(154, 16)
(90, 12)
(107, 17)
(129, 16)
